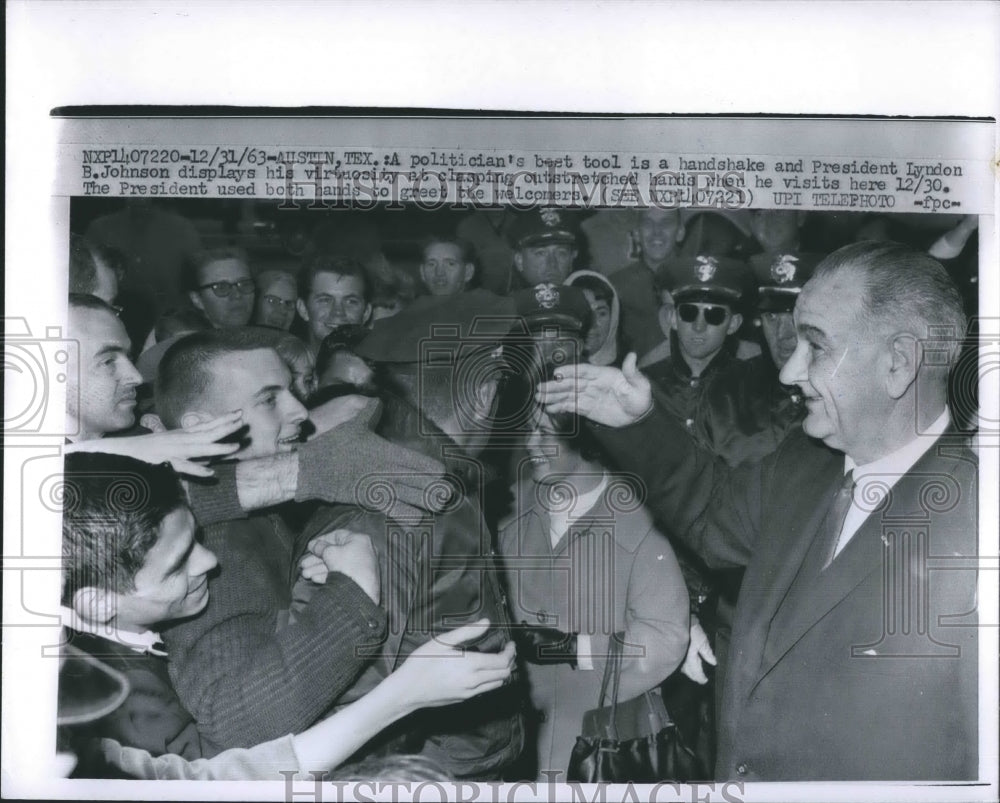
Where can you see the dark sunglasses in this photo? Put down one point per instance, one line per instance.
(244, 287)
(714, 316)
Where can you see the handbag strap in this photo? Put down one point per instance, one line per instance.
(613, 669)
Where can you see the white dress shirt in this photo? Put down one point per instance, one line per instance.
(140, 642)
(874, 480)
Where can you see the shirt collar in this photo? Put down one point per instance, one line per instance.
(559, 521)
(903, 459)
(147, 641)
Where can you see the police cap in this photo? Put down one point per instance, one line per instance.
(543, 226)
(705, 276)
(552, 305)
(780, 277)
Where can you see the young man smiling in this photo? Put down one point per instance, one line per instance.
(244, 673)
(128, 567)
(706, 293)
(333, 292)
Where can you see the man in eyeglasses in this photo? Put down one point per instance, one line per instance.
(222, 287)
(276, 296)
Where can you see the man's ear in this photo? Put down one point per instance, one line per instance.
(681, 233)
(470, 271)
(904, 354)
(300, 305)
(193, 418)
(668, 318)
(519, 261)
(368, 314)
(93, 605)
(152, 422)
(196, 300)
(735, 323)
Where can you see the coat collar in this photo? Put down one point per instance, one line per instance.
(618, 510)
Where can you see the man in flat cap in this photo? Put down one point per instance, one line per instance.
(439, 365)
(545, 246)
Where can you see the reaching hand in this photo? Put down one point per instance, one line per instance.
(699, 649)
(349, 463)
(346, 552)
(179, 447)
(545, 645)
(603, 394)
(440, 672)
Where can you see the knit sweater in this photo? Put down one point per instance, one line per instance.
(245, 675)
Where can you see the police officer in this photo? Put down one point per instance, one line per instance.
(707, 291)
(545, 246)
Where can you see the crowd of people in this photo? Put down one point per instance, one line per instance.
(382, 512)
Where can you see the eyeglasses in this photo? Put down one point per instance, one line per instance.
(244, 287)
(714, 316)
(274, 301)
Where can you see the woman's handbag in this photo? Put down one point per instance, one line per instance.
(635, 740)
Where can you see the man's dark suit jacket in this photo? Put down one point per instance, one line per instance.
(866, 670)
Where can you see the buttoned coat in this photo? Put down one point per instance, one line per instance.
(613, 571)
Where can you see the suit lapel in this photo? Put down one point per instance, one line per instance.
(815, 592)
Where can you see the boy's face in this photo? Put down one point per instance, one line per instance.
(702, 327)
(443, 270)
(173, 580)
(276, 303)
(259, 383)
(658, 234)
(335, 300)
(600, 326)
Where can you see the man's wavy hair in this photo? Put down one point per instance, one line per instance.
(903, 287)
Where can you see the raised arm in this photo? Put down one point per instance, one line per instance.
(438, 673)
(713, 509)
(334, 466)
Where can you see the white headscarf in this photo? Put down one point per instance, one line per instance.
(608, 352)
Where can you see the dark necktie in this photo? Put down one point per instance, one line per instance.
(833, 524)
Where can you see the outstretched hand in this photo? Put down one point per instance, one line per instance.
(179, 447)
(441, 672)
(603, 394)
